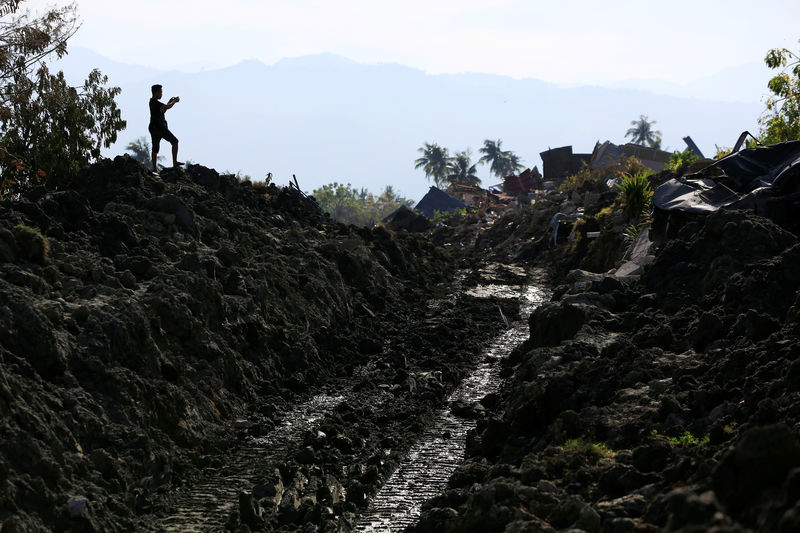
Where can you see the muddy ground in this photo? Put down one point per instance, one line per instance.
(662, 403)
(150, 326)
(166, 346)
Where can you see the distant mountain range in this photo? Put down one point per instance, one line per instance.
(325, 118)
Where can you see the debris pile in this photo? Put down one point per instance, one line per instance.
(664, 403)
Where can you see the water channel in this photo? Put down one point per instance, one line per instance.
(421, 475)
(430, 463)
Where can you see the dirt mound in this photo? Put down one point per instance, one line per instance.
(141, 315)
(667, 403)
(406, 219)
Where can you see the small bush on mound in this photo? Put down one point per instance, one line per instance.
(32, 245)
(596, 179)
(579, 446)
(685, 440)
(679, 159)
(635, 192)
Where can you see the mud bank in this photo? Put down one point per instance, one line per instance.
(143, 321)
(662, 403)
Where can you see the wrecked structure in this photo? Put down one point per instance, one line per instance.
(608, 153)
(527, 181)
(438, 200)
(765, 180)
(469, 194)
(558, 163)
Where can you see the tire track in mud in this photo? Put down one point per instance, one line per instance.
(208, 505)
(430, 463)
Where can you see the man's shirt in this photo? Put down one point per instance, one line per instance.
(157, 119)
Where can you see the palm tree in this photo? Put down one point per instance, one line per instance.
(434, 162)
(643, 133)
(141, 151)
(502, 162)
(388, 194)
(461, 169)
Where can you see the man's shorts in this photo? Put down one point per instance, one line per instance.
(156, 134)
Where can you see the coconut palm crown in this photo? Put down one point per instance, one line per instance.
(643, 133)
(434, 162)
(502, 162)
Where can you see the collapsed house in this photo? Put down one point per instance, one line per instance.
(558, 163)
(438, 200)
(608, 153)
(469, 194)
(528, 181)
(765, 180)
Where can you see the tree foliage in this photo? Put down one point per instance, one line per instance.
(141, 151)
(48, 129)
(435, 162)
(462, 170)
(501, 162)
(781, 120)
(643, 133)
(360, 207)
(679, 159)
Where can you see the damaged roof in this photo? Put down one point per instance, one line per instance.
(736, 180)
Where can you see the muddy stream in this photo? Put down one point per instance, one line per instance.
(208, 505)
(430, 463)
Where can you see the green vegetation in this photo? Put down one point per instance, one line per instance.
(501, 162)
(141, 151)
(586, 176)
(579, 446)
(685, 440)
(48, 129)
(351, 206)
(462, 170)
(435, 161)
(31, 244)
(781, 120)
(635, 193)
(643, 133)
(679, 159)
(449, 217)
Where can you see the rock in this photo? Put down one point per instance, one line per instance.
(588, 519)
(552, 323)
(762, 459)
(628, 506)
(31, 244)
(249, 511)
(689, 509)
(78, 506)
(469, 410)
(437, 520)
(306, 455)
(652, 456)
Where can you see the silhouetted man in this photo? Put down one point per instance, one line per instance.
(158, 125)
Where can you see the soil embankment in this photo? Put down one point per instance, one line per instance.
(666, 402)
(160, 338)
(149, 326)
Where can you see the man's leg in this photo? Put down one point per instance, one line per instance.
(174, 141)
(156, 140)
(175, 161)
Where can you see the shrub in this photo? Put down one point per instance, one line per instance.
(31, 244)
(685, 440)
(579, 446)
(635, 193)
(679, 159)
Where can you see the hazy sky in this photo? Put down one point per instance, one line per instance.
(565, 41)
